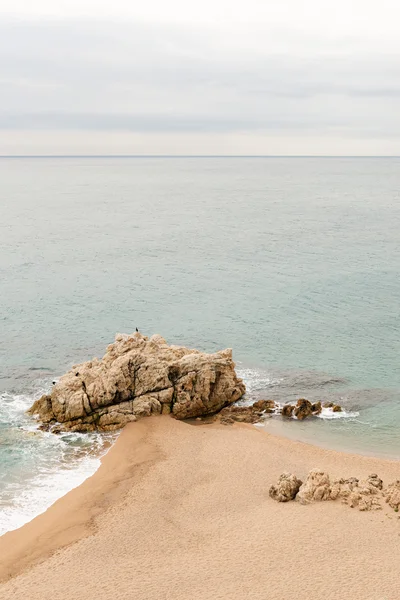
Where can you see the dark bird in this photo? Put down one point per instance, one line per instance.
(137, 329)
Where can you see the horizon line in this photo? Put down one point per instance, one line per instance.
(199, 156)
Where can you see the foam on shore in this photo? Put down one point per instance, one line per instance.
(39, 467)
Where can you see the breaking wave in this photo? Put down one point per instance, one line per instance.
(39, 467)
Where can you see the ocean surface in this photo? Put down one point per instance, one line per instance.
(292, 262)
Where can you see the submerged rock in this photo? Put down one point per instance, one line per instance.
(286, 489)
(287, 411)
(267, 406)
(316, 408)
(302, 409)
(138, 377)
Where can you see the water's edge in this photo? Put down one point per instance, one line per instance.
(40, 467)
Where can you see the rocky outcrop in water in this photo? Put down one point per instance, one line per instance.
(303, 409)
(365, 495)
(287, 411)
(138, 377)
(262, 409)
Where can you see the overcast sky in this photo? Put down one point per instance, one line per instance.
(219, 77)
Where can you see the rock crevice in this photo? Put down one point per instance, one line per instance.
(137, 377)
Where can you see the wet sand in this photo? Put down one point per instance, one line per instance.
(178, 511)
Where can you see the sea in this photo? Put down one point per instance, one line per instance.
(291, 262)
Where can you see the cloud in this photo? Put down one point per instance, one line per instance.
(142, 76)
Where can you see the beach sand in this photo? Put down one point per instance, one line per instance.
(180, 511)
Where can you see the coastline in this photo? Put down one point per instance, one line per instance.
(335, 444)
(73, 515)
(173, 502)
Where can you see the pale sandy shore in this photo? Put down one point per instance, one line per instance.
(178, 511)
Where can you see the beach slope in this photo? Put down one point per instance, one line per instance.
(178, 511)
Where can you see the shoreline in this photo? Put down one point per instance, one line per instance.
(148, 460)
(278, 429)
(115, 468)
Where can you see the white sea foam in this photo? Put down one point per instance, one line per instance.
(327, 413)
(39, 467)
(260, 382)
(257, 381)
(42, 491)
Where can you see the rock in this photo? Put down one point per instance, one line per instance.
(375, 481)
(45, 427)
(138, 377)
(246, 414)
(316, 408)
(364, 499)
(302, 409)
(265, 405)
(342, 488)
(392, 495)
(364, 495)
(240, 414)
(43, 408)
(352, 481)
(316, 487)
(287, 410)
(286, 489)
(337, 408)
(328, 405)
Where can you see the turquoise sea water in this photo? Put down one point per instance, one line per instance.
(292, 262)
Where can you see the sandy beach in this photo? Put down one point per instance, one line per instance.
(180, 511)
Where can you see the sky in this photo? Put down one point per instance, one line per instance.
(294, 77)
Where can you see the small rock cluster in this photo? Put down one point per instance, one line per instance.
(368, 494)
(247, 414)
(304, 408)
(257, 411)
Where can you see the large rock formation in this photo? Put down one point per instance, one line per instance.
(137, 377)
